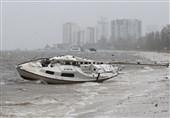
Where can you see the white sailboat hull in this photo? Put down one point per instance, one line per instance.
(63, 74)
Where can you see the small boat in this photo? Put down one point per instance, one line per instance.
(93, 49)
(66, 69)
(75, 49)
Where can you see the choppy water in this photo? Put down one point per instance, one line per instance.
(134, 93)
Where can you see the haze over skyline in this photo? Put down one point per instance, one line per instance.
(32, 25)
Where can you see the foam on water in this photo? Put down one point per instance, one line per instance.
(87, 93)
(69, 113)
(86, 96)
(154, 56)
(90, 84)
(147, 69)
(36, 101)
(97, 100)
(102, 88)
(86, 111)
(44, 100)
(96, 86)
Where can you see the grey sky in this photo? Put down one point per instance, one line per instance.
(32, 25)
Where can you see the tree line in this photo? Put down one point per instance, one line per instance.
(158, 41)
(152, 41)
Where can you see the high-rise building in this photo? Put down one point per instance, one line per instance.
(102, 28)
(90, 35)
(70, 33)
(124, 29)
(80, 37)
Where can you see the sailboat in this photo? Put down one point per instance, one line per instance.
(66, 69)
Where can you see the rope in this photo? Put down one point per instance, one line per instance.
(12, 59)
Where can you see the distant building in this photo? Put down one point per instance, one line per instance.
(123, 29)
(80, 37)
(70, 33)
(90, 35)
(102, 29)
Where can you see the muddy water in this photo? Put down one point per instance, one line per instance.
(138, 91)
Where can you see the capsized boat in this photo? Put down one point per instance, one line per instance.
(66, 69)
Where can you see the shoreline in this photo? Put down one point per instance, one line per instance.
(138, 91)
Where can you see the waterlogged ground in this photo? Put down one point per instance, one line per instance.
(138, 91)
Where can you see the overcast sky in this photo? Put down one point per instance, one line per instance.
(32, 25)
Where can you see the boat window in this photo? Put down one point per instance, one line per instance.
(81, 62)
(49, 72)
(67, 74)
(85, 62)
(74, 63)
(93, 62)
(98, 62)
(68, 69)
(67, 63)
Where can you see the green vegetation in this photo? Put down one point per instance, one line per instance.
(158, 41)
(153, 41)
